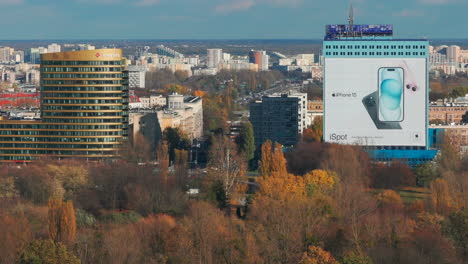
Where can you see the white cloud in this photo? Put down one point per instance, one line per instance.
(234, 6)
(229, 6)
(436, 2)
(409, 13)
(102, 2)
(146, 2)
(111, 2)
(11, 2)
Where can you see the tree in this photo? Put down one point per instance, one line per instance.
(264, 167)
(7, 187)
(320, 181)
(356, 258)
(62, 221)
(35, 184)
(73, 177)
(440, 199)
(456, 227)
(245, 140)
(136, 150)
(14, 234)
(162, 155)
(46, 252)
(181, 167)
(449, 156)
(175, 139)
(272, 161)
(316, 255)
(465, 118)
(393, 175)
(226, 168)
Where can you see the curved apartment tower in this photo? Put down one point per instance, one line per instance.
(84, 109)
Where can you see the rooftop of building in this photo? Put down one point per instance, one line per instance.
(191, 99)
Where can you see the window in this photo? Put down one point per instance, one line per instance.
(379, 53)
(379, 47)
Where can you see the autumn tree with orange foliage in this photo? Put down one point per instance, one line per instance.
(316, 255)
(15, 233)
(199, 93)
(62, 221)
(272, 161)
(440, 200)
(315, 132)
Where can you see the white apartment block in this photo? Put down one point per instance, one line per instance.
(136, 76)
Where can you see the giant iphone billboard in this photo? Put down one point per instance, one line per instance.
(375, 101)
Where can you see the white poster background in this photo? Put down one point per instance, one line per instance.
(347, 121)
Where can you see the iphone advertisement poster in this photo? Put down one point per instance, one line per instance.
(375, 101)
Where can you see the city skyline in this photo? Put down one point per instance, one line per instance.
(222, 19)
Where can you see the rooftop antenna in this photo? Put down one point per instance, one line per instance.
(351, 14)
(351, 20)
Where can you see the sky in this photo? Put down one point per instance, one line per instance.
(224, 19)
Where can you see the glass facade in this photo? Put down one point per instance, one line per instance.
(84, 109)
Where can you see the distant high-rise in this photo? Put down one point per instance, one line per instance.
(6, 54)
(453, 54)
(215, 57)
(54, 48)
(260, 58)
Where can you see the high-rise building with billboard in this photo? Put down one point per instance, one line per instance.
(376, 91)
(84, 109)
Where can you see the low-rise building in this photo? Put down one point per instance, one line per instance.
(448, 111)
(183, 112)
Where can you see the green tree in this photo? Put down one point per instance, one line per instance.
(456, 227)
(176, 139)
(246, 142)
(356, 258)
(46, 252)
